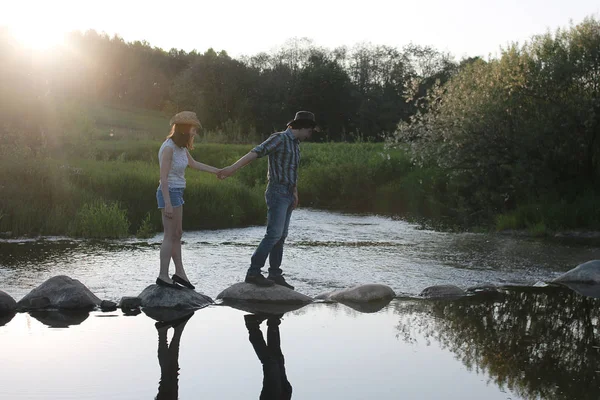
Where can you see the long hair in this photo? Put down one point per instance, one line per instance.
(180, 134)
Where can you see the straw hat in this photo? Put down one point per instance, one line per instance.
(186, 117)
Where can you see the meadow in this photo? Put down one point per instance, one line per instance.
(102, 183)
(96, 174)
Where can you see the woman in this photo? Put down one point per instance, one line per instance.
(173, 158)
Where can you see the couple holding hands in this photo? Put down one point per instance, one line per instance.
(281, 195)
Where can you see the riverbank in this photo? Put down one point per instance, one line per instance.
(98, 178)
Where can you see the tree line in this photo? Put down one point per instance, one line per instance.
(355, 92)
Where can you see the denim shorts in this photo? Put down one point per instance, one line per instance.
(176, 195)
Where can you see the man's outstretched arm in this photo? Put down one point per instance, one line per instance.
(242, 162)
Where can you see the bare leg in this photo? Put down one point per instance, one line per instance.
(171, 236)
(176, 250)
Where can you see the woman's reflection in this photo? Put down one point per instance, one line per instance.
(168, 357)
(275, 382)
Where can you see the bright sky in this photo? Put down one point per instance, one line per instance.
(462, 27)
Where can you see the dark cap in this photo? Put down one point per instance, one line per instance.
(304, 116)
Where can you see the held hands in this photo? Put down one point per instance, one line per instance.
(225, 172)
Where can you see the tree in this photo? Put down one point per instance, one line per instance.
(523, 126)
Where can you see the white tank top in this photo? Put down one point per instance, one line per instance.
(178, 164)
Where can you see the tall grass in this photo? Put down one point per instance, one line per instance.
(100, 220)
(542, 217)
(45, 196)
(85, 182)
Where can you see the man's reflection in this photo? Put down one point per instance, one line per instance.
(168, 357)
(275, 382)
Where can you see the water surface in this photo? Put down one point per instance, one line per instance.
(324, 251)
(532, 343)
(524, 343)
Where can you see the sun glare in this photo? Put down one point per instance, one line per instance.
(38, 37)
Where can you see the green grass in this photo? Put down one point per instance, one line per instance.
(84, 182)
(44, 196)
(100, 220)
(545, 216)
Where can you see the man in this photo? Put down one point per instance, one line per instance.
(275, 382)
(281, 195)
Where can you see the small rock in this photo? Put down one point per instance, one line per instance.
(107, 305)
(588, 272)
(130, 303)
(364, 294)
(131, 312)
(442, 292)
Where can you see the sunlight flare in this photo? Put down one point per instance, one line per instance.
(38, 36)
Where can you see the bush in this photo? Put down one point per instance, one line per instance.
(101, 220)
(507, 131)
(146, 229)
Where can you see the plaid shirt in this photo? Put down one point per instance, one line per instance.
(284, 156)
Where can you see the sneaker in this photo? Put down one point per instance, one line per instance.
(279, 280)
(258, 280)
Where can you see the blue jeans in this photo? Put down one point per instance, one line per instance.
(280, 204)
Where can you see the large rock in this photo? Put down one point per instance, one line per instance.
(7, 304)
(166, 297)
(273, 294)
(60, 292)
(588, 272)
(371, 292)
(442, 292)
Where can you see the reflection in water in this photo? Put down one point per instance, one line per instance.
(538, 342)
(60, 318)
(168, 357)
(6, 318)
(369, 306)
(275, 383)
